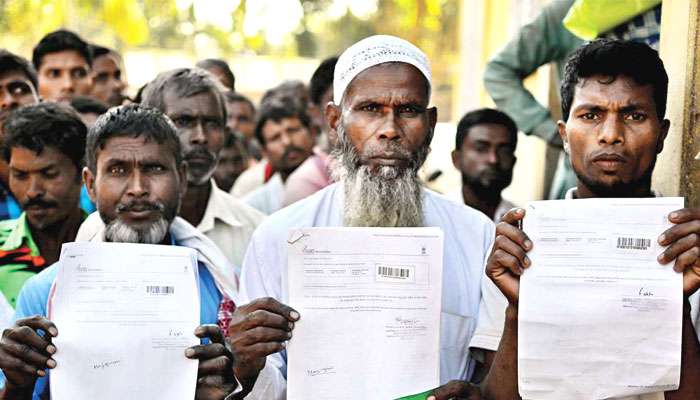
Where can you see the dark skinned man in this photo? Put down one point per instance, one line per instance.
(192, 99)
(136, 175)
(63, 62)
(18, 87)
(381, 115)
(613, 103)
(44, 147)
(484, 155)
(108, 77)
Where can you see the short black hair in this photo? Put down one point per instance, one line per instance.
(38, 126)
(186, 82)
(60, 40)
(89, 105)
(235, 97)
(614, 58)
(222, 65)
(10, 62)
(277, 109)
(484, 116)
(132, 120)
(322, 79)
(98, 51)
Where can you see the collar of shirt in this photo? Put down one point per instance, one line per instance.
(19, 234)
(218, 207)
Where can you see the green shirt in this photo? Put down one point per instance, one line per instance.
(19, 256)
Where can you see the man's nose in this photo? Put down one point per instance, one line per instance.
(198, 135)
(7, 101)
(35, 188)
(492, 157)
(138, 185)
(611, 131)
(67, 82)
(389, 129)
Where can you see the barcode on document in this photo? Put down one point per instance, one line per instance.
(160, 289)
(633, 243)
(392, 272)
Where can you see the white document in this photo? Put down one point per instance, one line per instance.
(6, 313)
(370, 301)
(599, 317)
(125, 314)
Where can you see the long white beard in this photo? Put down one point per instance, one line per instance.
(119, 232)
(389, 197)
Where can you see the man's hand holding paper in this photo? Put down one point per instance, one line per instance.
(581, 254)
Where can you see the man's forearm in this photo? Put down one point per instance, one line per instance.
(501, 382)
(689, 388)
(15, 394)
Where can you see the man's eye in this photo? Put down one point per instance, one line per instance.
(18, 89)
(54, 73)
(19, 175)
(155, 168)
(117, 170)
(51, 174)
(183, 122)
(636, 117)
(79, 73)
(408, 110)
(589, 116)
(213, 124)
(370, 108)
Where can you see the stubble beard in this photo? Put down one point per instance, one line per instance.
(390, 196)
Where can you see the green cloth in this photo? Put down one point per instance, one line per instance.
(19, 256)
(537, 43)
(588, 19)
(419, 396)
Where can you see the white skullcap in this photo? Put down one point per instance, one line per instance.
(372, 51)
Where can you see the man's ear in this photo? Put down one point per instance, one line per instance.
(89, 181)
(561, 126)
(665, 126)
(333, 117)
(456, 155)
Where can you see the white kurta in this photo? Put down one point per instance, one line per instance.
(468, 238)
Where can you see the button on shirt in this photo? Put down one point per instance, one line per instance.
(468, 237)
(229, 223)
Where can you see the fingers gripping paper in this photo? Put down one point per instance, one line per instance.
(598, 316)
(125, 314)
(370, 301)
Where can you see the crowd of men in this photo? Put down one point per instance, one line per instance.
(188, 161)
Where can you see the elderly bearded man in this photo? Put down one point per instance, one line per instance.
(381, 114)
(136, 175)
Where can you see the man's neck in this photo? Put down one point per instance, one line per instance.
(485, 204)
(583, 192)
(50, 239)
(194, 203)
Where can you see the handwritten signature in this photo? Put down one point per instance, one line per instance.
(106, 364)
(320, 371)
(645, 292)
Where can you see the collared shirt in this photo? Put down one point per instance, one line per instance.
(468, 238)
(310, 177)
(503, 207)
(249, 180)
(268, 198)
(492, 320)
(19, 256)
(230, 224)
(34, 295)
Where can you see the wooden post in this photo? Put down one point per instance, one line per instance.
(677, 172)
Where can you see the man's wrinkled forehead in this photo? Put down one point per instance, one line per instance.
(373, 51)
(134, 150)
(367, 85)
